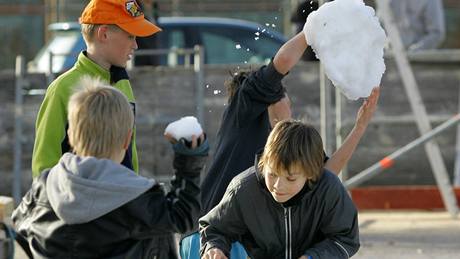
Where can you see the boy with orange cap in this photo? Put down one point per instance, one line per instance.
(110, 28)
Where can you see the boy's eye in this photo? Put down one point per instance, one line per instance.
(291, 179)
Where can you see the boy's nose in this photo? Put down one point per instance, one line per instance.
(277, 183)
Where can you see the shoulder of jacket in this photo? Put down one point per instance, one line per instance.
(38, 188)
(65, 82)
(246, 179)
(330, 183)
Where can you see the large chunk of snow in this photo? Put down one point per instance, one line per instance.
(184, 128)
(348, 39)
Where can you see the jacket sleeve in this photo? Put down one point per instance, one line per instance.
(339, 227)
(50, 130)
(223, 225)
(262, 88)
(178, 210)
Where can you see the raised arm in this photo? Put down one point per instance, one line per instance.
(290, 53)
(338, 160)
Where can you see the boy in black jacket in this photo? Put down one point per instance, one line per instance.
(257, 101)
(298, 209)
(91, 206)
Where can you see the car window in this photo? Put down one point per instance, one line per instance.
(232, 45)
(61, 46)
(176, 39)
(173, 38)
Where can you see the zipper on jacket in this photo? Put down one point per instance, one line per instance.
(288, 227)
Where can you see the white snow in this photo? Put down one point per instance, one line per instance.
(349, 40)
(184, 128)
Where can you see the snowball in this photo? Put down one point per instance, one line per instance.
(184, 128)
(348, 39)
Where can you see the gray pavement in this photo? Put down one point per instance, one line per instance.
(406, 234)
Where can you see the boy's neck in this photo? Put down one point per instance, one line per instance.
(91, 53)
(117, 157)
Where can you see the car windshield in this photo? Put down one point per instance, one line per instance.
(238, 46)
(61, 46)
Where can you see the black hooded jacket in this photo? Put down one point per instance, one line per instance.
(321, 221)
(95, 208)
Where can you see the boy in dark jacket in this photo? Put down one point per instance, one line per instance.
(257, 101)
(91, 206)
(298, 209)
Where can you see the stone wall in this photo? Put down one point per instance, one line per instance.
(165, 94)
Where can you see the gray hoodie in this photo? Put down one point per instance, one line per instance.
(81, 189)
(95, 208)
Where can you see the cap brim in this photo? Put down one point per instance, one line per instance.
(140, 28)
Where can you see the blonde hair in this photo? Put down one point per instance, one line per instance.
(100, 118)
(293, 145)
(88, 30)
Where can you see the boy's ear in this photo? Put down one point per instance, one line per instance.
(101, 33)
(127, 139)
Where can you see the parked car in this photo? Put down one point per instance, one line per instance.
(225, 41)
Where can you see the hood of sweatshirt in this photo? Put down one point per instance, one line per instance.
(81, 189)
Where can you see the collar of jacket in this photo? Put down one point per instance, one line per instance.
(307, 188)
(114, 75)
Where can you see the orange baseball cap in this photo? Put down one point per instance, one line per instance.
(126, 14)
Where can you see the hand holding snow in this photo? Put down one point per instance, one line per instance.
(348, 39)
(184, 128)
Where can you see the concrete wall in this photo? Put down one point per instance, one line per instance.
(165, 94)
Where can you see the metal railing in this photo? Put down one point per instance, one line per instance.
(198, 67)
(18, 115)
(389, 160)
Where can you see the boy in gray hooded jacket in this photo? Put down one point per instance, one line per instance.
(91, 206)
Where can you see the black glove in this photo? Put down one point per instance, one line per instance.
(183, 147)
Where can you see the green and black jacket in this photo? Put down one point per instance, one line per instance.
(51, 139)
